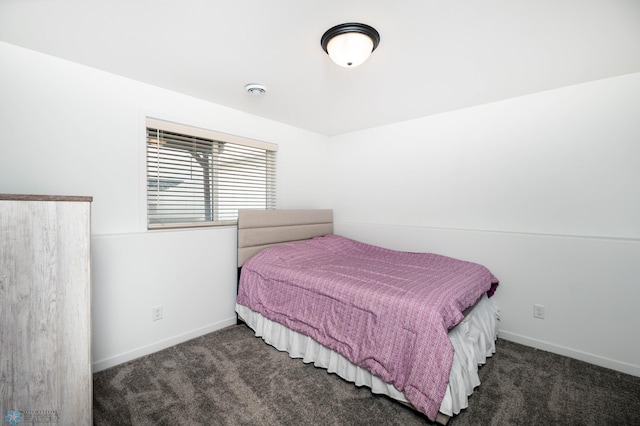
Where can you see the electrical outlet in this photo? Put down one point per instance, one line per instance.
(538, 311)
(156, 313)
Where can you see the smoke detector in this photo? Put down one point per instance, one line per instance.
(255, 89)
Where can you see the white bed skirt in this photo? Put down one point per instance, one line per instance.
(473, 339)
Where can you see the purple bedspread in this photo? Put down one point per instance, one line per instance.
(384, 310)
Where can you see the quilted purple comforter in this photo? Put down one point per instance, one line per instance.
(384, 310)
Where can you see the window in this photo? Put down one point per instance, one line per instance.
(197, 177)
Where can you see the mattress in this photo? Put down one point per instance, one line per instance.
(473, 339)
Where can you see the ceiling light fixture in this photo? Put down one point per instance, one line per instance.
(349, 45)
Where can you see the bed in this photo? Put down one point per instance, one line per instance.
(363, 312)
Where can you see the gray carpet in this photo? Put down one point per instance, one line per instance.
(230, 377)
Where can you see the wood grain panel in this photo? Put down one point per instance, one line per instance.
(45, 362)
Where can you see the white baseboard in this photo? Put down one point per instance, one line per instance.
(622, 367)
(158, 346)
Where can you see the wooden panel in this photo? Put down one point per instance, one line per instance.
(45, 362)
(24, 197)
(74, 313)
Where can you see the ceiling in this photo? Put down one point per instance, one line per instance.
(434, 55)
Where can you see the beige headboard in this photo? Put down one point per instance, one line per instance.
(258, 229)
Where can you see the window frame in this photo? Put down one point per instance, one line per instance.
(218, 140)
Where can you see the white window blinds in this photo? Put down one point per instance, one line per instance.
(197, 177)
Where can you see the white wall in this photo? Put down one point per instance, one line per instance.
(72, 130)
(543, 189)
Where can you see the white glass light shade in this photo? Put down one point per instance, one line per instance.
(350, 49)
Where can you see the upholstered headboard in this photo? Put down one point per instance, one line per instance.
(258, 229)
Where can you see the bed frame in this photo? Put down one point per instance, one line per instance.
(259, 229)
